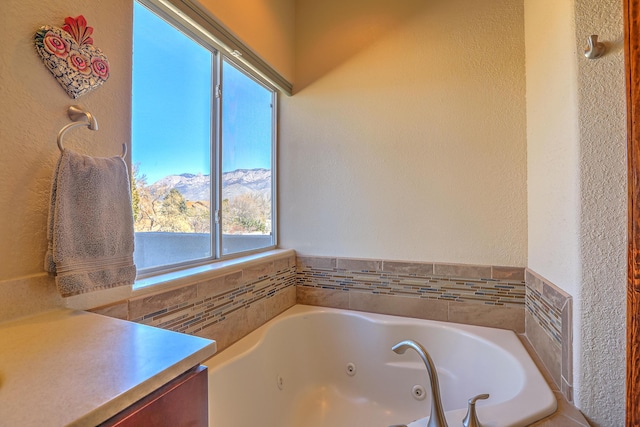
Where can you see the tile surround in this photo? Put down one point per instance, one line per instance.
(230, 306)
(479, 295)
(548, 325)
(241, 300)
(566, 415)
(196, 308)
(495, 296)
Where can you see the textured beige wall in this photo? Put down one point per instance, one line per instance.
(32, 111)
(601, 316)
(409, 142)
(267, 26)
(577, 186)
(406, 140)
(553, 149)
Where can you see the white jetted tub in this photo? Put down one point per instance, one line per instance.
(322, 367)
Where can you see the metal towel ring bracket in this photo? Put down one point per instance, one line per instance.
(76, 114)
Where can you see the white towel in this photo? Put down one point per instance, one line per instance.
(90, 230)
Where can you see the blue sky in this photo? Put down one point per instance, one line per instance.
(172, 101)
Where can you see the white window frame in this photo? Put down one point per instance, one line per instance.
(174, 16)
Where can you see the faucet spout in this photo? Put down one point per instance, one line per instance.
(437, 418)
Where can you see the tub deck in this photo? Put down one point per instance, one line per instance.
(321, 367)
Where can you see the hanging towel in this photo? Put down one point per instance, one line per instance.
(90, 230)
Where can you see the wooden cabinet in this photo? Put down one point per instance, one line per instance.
(179, 403)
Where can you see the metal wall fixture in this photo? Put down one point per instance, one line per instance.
(351, 369)
(77, 114)
(595, 49)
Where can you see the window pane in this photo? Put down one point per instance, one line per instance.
(171, 149)
(246, 162)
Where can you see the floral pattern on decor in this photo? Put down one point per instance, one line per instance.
(69, 54)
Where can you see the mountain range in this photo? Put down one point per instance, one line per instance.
(196, 187)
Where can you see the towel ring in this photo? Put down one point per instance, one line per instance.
(76, 113)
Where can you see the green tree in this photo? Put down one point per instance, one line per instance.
(174, 203)
(245, 214)
(199, 216)
(135, 194)
(173, 213)
(145, 204)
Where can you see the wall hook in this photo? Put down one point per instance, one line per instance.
(595, 49)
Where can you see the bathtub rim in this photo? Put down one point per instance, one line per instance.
(255, 337)
(518, 350)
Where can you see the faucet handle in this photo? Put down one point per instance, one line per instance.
(471, 420)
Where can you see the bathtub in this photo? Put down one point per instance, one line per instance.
(322, 367)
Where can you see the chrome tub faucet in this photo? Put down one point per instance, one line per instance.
(437, 418)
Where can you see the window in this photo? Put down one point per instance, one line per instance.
(203, 140)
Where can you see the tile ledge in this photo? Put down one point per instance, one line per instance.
(190, 276)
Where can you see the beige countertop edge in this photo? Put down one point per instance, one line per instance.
(53, 354)
(123, 401)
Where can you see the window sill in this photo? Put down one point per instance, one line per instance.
(200, 273)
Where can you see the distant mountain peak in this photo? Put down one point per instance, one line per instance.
(190, 175)
(195, 187)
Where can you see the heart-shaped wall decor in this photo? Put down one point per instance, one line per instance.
(69, 54)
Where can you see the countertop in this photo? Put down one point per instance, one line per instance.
(73, 368)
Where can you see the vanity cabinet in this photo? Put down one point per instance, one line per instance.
(181, 402)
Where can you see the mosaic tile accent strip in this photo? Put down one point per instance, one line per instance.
(205, 310)
(417, 280)
(547, 316)
(549, 328)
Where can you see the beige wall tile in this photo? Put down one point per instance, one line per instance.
(534, 281)
(284, 263)
(292, 260)
(400, 267)
(566, 414)
(462, 271)
(549, 352)
(315, 262)
(236, 325)
(224, 333)
(421, 308)
(255, 315)
(557, 357)
(220, 285)
(507, 273)
(141, 306)
(118, 310)
(536, 359)
(352, 264)
(554, 295)
(280, 302)
(567, 391)
(322, 297)
(250, 274)
(494, 316)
